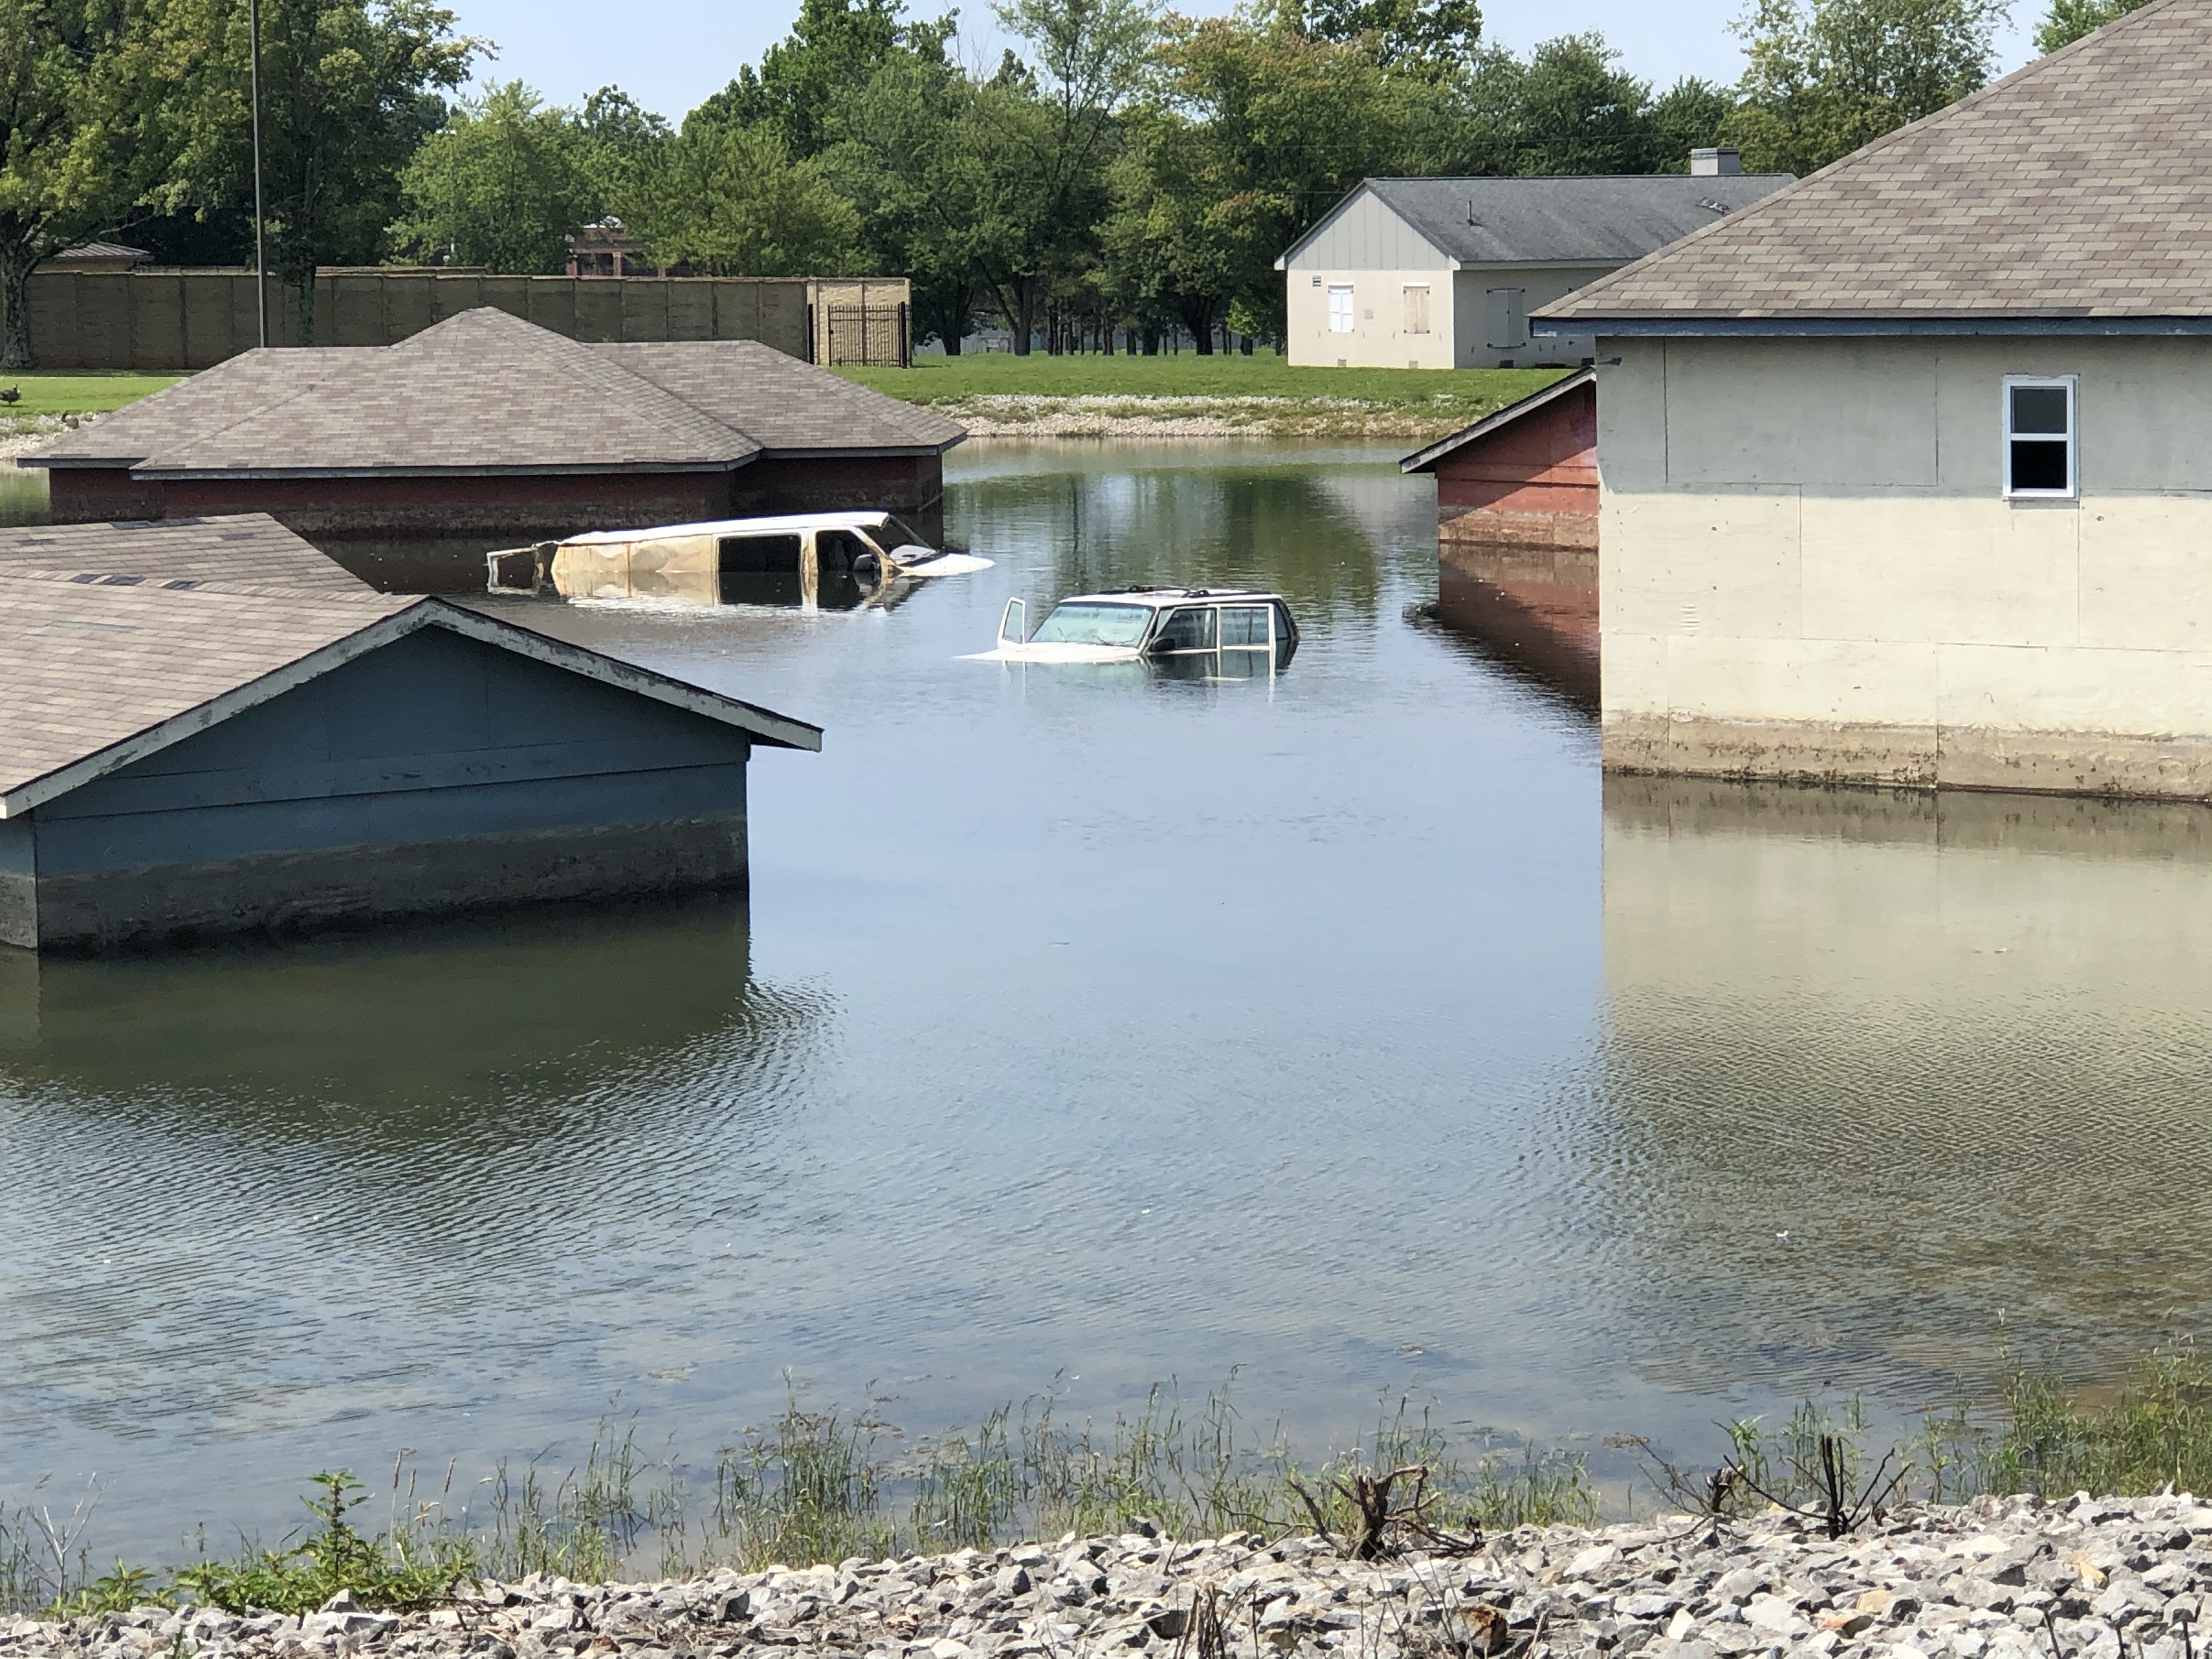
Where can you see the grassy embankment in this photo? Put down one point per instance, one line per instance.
(819, 1488)
(49, 394)
(996, 393)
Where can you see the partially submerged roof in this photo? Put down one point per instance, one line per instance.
(94, 676)
(2074, 195)
(487, 392)
(241, 550)
(754, 526)
(1606, 220)
(1425, 460)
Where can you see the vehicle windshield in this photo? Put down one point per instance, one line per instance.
(896, 534)
(1094, 624)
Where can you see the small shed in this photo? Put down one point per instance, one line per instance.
(1525, 477)
(249, 749)
(409, 461)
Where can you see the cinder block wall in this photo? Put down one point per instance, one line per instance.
(189, 319)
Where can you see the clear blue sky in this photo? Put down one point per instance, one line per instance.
(668, 54)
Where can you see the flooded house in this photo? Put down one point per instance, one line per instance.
(210, 730)
(408, 462)
(1441, 273)
(1901, 477)
(1517, 531)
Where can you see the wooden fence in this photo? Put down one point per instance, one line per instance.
(187, 319)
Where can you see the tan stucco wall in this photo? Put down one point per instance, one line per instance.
(1458, 316)
(1809, 568)
(1378, 338)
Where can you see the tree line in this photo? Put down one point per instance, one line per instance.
(1122, 168)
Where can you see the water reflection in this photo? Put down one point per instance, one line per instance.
(1531, 609)
(1886, 1070)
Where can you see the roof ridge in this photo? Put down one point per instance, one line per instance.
(1750, 217)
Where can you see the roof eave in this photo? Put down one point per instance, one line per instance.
(1953, 325)
(184, 474)
(1422, 461)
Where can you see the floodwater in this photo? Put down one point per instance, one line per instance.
(1345, 1031)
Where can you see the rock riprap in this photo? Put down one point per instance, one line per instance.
(2010, 1578)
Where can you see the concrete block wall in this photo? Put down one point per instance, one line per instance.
(173, 320)
(1810, 568)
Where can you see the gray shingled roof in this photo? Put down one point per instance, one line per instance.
(785, 404)
(1608, 219)
(483, 392)
(242, 551)
(2078, 187)
(94, 676)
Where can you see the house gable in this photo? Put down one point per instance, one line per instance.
(1364, 233)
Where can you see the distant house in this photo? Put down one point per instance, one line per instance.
(1903, 474)
(210, 731)
(1441, 273)
(97, 256)
(409, 461)
(608, 248)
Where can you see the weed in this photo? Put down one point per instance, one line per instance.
(379, 1571)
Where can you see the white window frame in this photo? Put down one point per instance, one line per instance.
(1350, 322)
(2071, 386)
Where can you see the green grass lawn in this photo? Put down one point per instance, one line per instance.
(70, 392)
(1264, 375)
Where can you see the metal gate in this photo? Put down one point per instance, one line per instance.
(866, 337)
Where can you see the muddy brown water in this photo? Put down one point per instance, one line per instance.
(1347, 1032)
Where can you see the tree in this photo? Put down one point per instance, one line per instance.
(501, 185)
(619, 141)
(1578, 112)
(807, 81)
(1826, 76)
(80, 137)
(1429, 35)
(731, 201)
(1692, 114)
(350, 90)
(2068, 20)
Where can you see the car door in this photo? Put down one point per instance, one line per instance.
(1248, 641)
(1184, 630)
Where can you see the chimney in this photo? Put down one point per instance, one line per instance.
(1712, 163)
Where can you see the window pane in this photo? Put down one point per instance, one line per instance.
(1094, 624)
(751, 554)
(1189, 629)
(1243, 625)
(2038, 464)
(2038, 409)
(1339, 310)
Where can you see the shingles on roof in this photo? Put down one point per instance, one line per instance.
(100, 253)
(2080, 187)
(93, 675)
(485, 391)
(1568, 220)
(243, 551)
(781, 402)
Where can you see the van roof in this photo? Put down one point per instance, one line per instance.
(1160, 597)
(734, 527)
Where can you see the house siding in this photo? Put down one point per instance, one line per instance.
(1378, 338)
(437, 773)
(1539, 285)
(1810, 569)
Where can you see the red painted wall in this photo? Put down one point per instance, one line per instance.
(1532, 483)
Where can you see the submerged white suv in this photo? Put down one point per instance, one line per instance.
(1243, 628)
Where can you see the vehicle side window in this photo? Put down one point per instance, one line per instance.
(836, 549)
(752, 555)
(1244, 628)
(1190, 629)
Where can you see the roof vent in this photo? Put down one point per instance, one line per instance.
(1715, 162)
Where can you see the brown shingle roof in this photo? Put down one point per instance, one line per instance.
(246, 550)
(94, 676)
(784, 403)
(485, 391)
(2080, 187)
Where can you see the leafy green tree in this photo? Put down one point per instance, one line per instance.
(619, 141)
(1692, 114)
(1579, 112)
(1431, 34)
(1826, 76)
(731, 201)
(2068, 20)
(81, 136)
(350, 90)
(501, 185)
(807, 84)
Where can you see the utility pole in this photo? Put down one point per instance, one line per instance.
(260, 256)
